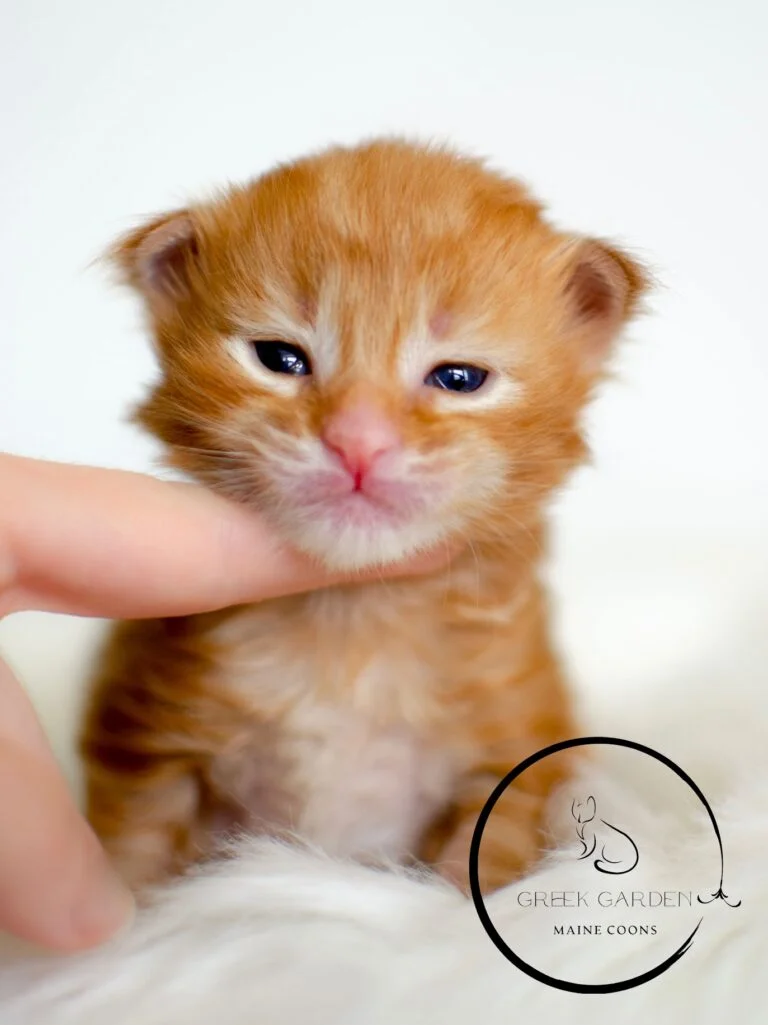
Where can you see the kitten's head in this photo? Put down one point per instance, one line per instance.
(379, 348)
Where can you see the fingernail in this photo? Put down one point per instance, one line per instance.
(107, 909)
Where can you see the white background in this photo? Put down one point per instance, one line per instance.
(645, 122)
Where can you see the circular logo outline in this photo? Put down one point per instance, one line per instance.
(479, 902)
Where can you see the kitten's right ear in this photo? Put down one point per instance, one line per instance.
(159, 259)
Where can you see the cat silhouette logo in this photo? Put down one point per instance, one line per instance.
(636, 815)
(616, 840)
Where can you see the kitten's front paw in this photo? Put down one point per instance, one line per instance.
(453, 862)
(510, 846)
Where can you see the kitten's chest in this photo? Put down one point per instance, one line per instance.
(386, 659)
(355, 711)
(363, 787)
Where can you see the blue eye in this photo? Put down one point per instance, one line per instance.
(457, 377)
(283, 358)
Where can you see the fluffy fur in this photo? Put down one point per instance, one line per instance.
(373, 719)
(293, 938)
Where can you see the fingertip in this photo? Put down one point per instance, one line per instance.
(87, 909)
(98, 916)
(106, 910)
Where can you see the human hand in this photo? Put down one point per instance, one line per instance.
(119, 545)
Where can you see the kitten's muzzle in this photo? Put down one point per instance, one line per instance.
(358, 435)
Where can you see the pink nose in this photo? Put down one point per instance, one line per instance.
(359, 434)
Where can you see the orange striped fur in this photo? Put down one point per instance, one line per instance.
(372, 718)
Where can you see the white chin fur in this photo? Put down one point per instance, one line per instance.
(349, 548)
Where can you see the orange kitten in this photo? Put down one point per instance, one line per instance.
(380, 349)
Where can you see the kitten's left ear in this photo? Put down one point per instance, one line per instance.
(160, 260)
(603, 290)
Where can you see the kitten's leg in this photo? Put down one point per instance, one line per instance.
(154, 723)
(149, 826)
(513, 837)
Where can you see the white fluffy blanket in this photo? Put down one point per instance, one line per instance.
(667, 641)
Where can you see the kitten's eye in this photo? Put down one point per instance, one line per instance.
(283, 358)
(459, 377)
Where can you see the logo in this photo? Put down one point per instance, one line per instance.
(620, 843)
(641, 865)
